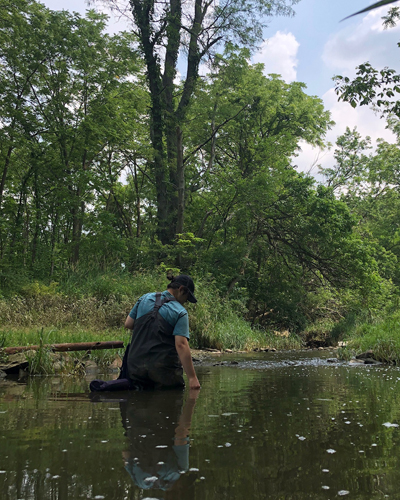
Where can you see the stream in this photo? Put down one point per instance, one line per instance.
(284, 425)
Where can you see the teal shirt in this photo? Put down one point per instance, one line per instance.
(173, 312)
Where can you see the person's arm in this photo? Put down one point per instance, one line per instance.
(185, 420)
(183, 350)
(130, 319)
(129, 323)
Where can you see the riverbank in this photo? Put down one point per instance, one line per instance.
(93, 309)
(43, 361)
(378, 337)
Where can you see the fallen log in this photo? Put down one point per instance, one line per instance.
(77, 346)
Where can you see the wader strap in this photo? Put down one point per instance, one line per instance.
(160, 302)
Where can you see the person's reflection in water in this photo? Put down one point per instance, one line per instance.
(157, 428)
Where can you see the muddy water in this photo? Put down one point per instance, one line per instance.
(274, 426)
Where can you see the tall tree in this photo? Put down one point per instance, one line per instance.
(68, 107)
(169, 31)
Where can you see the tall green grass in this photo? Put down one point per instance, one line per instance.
(380, 336)
(17, 336)
(91, 307)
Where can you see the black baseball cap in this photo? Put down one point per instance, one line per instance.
(185, 280)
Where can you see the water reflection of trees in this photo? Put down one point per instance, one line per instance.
(265, 460)
(277, 406)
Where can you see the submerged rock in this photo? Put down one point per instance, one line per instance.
(371, 361)
(356, 361)
(366, 355)
(365, 361)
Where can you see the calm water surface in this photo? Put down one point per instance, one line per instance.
(274, 426)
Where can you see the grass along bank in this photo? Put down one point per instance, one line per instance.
(382, 337)
(90, 308)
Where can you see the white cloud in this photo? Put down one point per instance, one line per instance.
(366, 121)
(362, 41)
(278, 54)
(362, 117)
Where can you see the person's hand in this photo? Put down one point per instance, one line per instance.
(194, 384)
(193, 395)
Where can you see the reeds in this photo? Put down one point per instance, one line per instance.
(380, 336)
(93, 307)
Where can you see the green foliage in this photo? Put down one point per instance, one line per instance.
(381, 336)
(85, 318)
(39, 361)
(99, 159)
(371, 87)
(37, 289)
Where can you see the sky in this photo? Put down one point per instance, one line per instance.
(315, 45)
(312, 47)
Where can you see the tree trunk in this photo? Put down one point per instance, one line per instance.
(243, 267)
(137, 193)
(4, 175)
(181, 182)
(53, 243)
(142, 12)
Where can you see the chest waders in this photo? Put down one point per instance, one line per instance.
(150, 360)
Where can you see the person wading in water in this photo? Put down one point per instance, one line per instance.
(159, 349)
